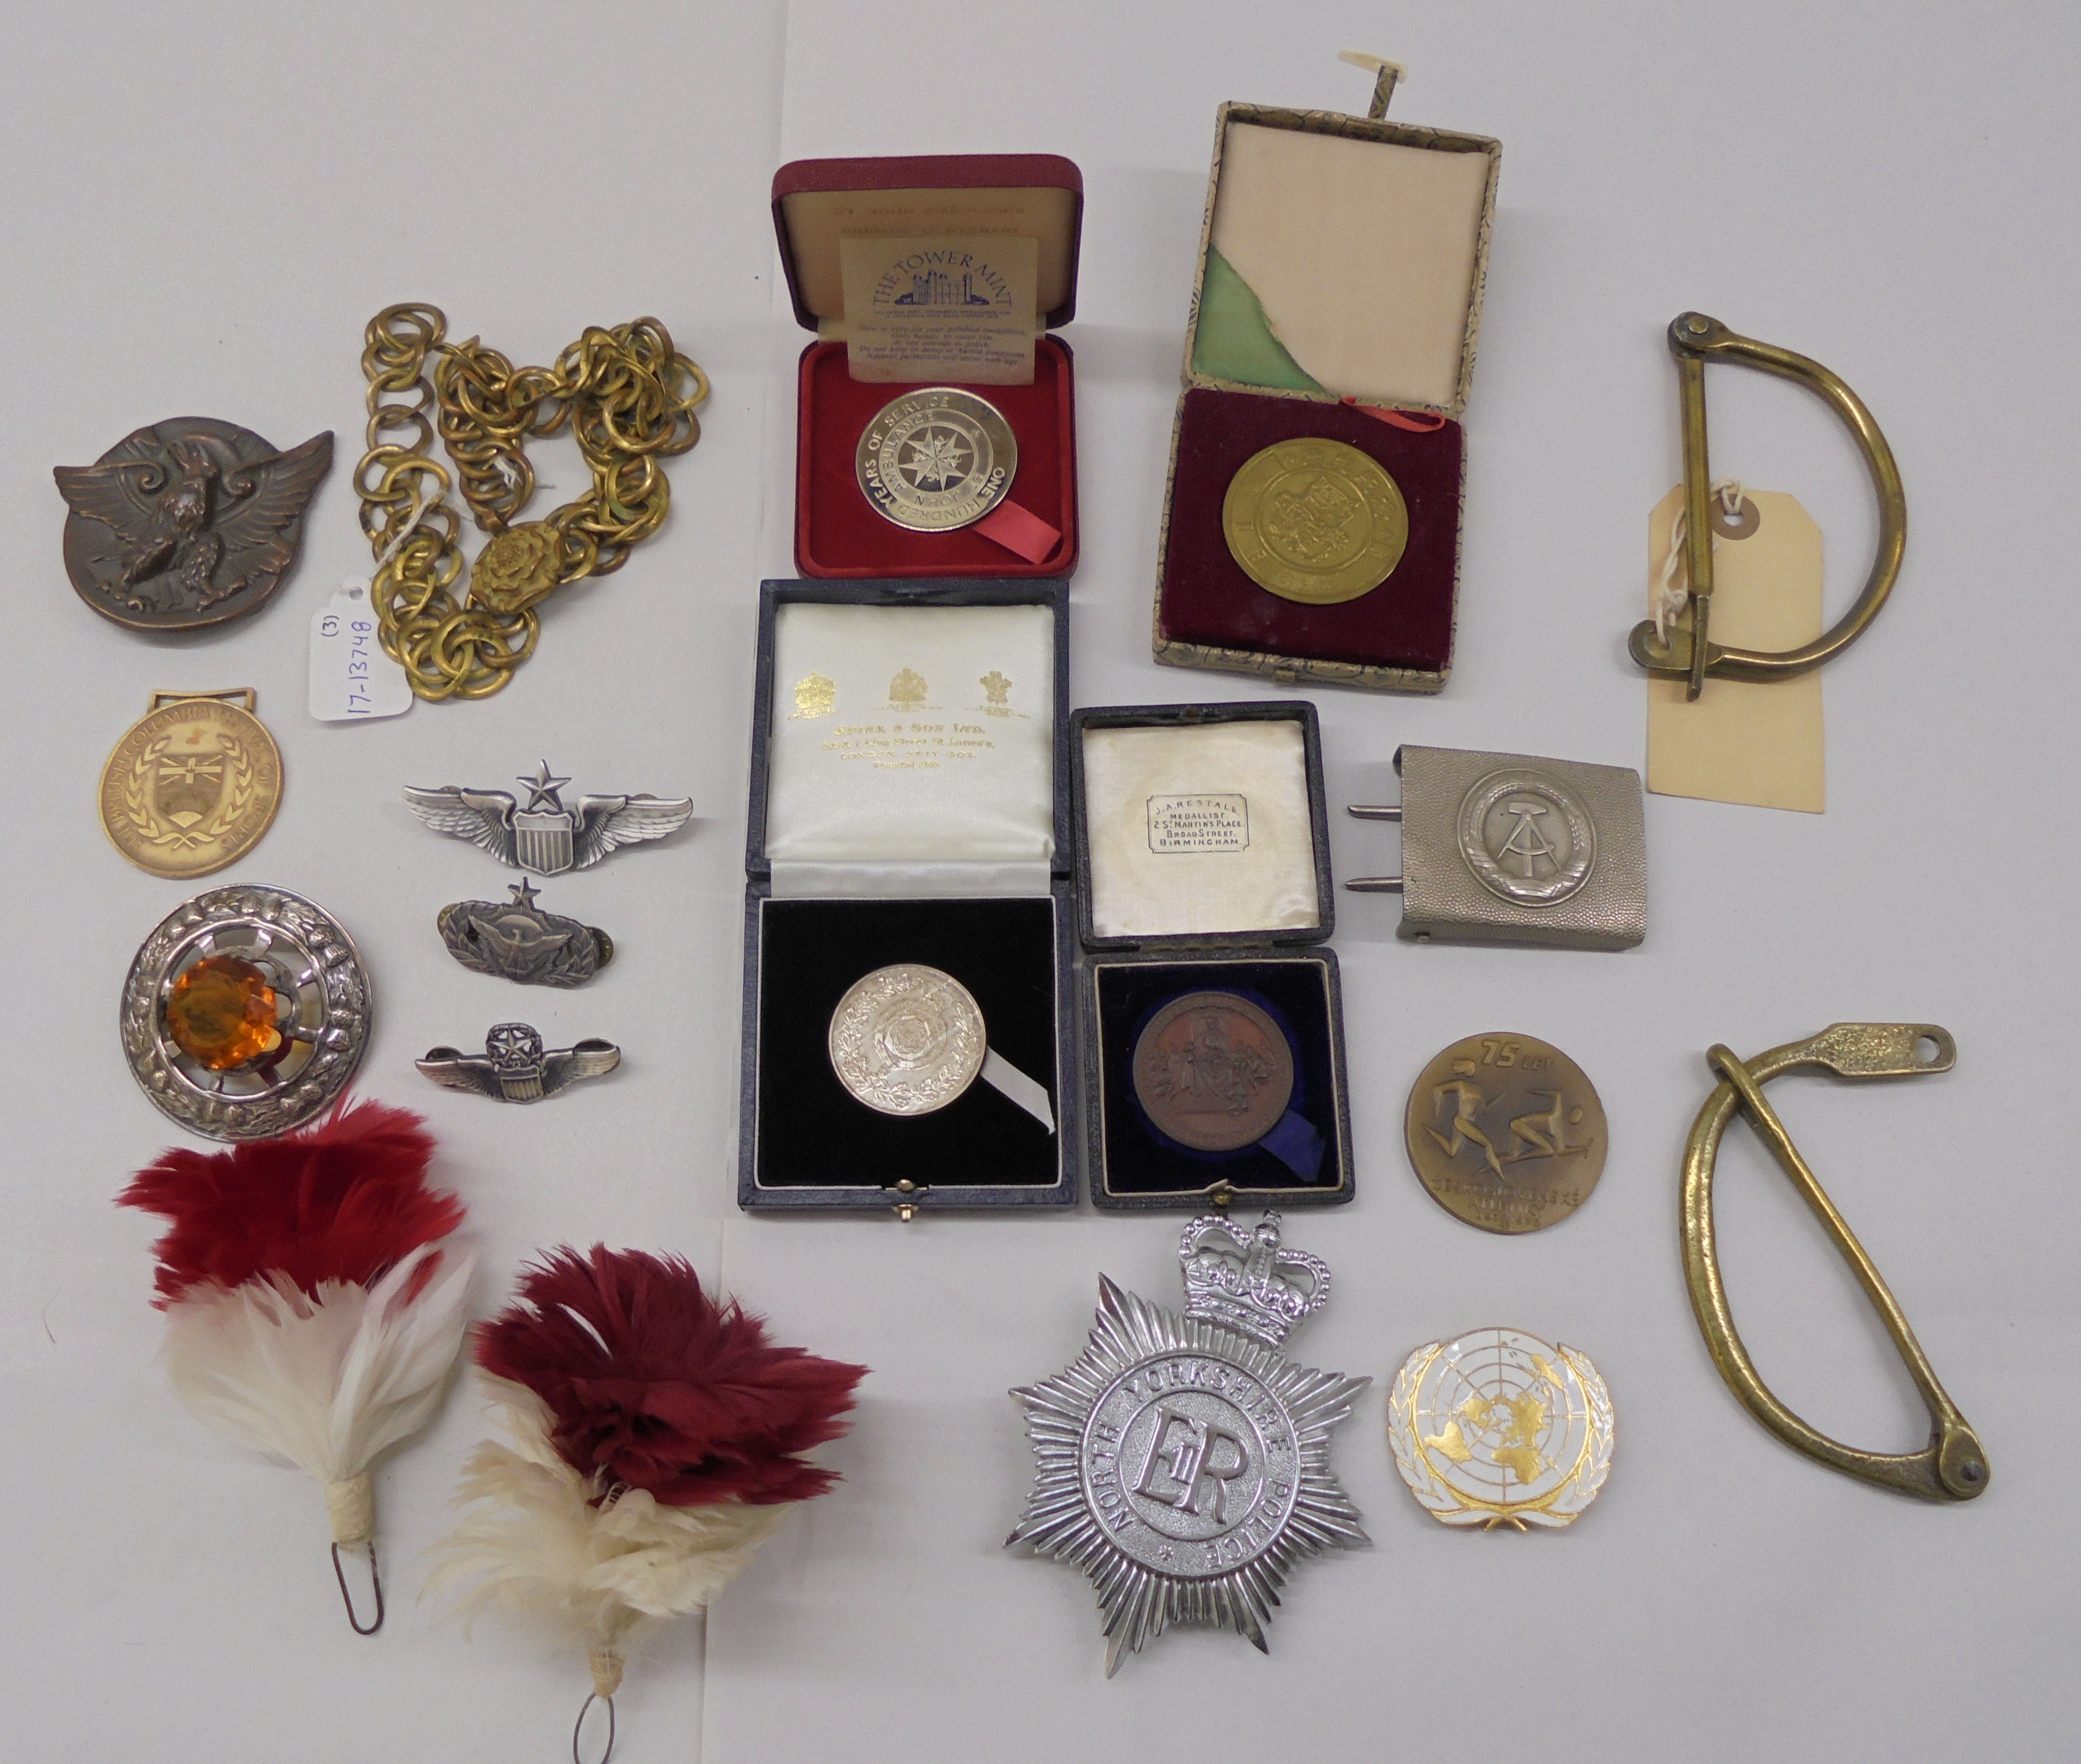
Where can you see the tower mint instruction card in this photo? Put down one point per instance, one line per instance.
(954, 309)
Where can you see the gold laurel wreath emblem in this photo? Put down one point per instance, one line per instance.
(1440, 1499)
(157, 833)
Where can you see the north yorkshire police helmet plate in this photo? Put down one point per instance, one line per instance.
(1183, 1461)
(936, 459)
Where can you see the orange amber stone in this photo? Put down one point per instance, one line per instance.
(221, 1013)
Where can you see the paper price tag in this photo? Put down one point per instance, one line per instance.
(352, 680)
(1746, 741)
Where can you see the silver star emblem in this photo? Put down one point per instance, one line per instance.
(543, 786)
(935, 457)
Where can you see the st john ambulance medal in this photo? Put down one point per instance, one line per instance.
(1183, 1461)
(936, 459)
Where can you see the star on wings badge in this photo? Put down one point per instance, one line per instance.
(546, 837)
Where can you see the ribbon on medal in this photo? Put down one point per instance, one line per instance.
(1020, 532)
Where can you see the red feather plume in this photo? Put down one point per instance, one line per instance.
(345, 1200)
(651, 1384)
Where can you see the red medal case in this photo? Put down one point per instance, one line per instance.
(1427, 222)
(816, 202)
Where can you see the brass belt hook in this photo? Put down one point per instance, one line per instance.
(1952, 1466)
(1694, 339)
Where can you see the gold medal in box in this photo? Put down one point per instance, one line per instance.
(193, 785)
(1315, 521)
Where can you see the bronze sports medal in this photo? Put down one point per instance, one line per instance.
(1315, 521)
(193, 785)
(1506, 1132)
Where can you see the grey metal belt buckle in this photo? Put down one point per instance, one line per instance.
(1507, 848)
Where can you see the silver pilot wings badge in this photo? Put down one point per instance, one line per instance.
(1183, 1463)
(546, 837)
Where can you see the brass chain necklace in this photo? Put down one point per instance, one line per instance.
(628, 398)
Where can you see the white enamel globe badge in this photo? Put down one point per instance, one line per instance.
(1500, 1428)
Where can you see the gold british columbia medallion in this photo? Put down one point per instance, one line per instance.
(936, 459)
(193, 785)
(1315, 521)
(1506, 1132)
(907, 1039)
(1500, 1428)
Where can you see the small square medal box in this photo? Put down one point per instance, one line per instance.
(909, 917)
(1311, 525)
(936, 414)
(1213, 1023)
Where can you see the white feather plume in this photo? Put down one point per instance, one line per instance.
(532, 1542)
(329, 1383)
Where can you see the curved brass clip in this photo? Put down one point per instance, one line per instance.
(1694, 339)
(1952, 1466)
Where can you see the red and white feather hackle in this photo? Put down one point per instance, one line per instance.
(314, 1310)
(654, 1442)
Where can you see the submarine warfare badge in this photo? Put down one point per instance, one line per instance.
(1183, 1461)
(546, 837)
(518, 941)
(188, 523)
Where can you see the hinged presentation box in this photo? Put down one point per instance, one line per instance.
(1338, 297)
(909, 807)
(818, 205)
(1202, 867)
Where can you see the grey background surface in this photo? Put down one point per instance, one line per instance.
(205, 204)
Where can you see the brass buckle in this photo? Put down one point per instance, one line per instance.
(1694, 339)
(1952, 1466)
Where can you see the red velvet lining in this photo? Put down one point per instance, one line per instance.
(1405, 622)
(837, 531)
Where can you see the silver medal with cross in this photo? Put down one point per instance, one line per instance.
(1183, 1461)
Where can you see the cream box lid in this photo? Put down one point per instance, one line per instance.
(1200, 824)
(1342, 257)
(909, 738)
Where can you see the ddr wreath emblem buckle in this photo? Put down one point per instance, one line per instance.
(1184, 1461)
(1507, 848)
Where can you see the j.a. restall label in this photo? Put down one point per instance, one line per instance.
(1212, 823)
